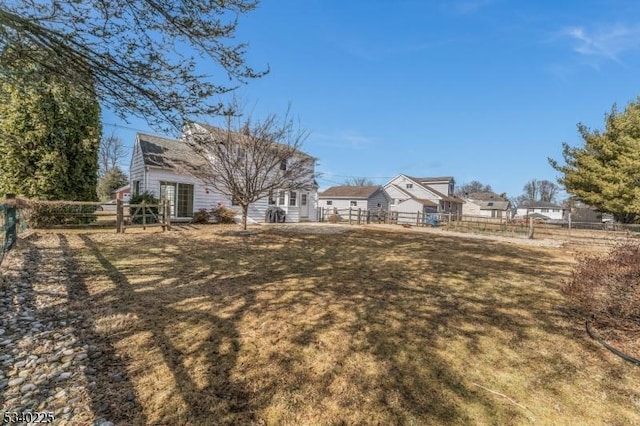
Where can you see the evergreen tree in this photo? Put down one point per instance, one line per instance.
(605, 173)
(49, 134)
(112, 180)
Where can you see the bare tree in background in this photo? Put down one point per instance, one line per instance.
(537, 190)
(249, 159)
(472, 187)
(138, 56)
(110, 153)
(358, 181)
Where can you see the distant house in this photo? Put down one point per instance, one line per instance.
(122, 193)
(581, 212)
(425, 195)
(152, 170)
(343, 197)
(486, 205)
(544, 209)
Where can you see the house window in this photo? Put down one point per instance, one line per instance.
(281, 198)
(272, 199)
(544, 210)
(234, 201)
(292, 198)
(136, 187)
(379, 204)
(409, 185)
(556, 210)
(353, 204)
(180, 196)
(490, 203)
(329, 203)
(283, 165)
(303, 199)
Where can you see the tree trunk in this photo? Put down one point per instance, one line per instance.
(245, 212)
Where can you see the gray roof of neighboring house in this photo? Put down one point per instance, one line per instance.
(539, 204)
(484, 196)
(492, 205)
(346, 191)
(167, 153)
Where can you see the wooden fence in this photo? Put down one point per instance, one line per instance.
(87, 214)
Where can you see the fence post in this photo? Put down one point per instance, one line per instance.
(119, 215)
(167, 214)
(144, 215)
(11, 234)
(449, 220)
(418, 218)
(569, 223)
(359, 214)
(530, 236)
(349, 215)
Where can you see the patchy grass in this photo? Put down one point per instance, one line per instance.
(360, 327)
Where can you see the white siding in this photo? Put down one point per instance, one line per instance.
(378, 197)
(523, 212)
(136, 168)
(469, 208)
(342, 203)
(416, 189)
(442, 188)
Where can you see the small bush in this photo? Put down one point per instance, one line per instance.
(333, 218)
(222, 214)
(608, 285)
(48, 214)
(150, 213)
(201, 217)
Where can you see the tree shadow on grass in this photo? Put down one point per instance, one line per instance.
(363, 327)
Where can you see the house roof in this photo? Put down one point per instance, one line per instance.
(539, 204)
(164, 152)
(431, 179)
(492, 205)
(484, 196)
(122, 188)
(223, 134)
(349, 191)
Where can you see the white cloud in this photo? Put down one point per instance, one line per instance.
(608, 43)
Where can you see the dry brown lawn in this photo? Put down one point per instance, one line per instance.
(359, 327)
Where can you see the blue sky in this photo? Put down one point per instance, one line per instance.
(478, 89)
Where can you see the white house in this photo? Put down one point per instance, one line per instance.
(409, 194)
(540, 209)
(343, 197)
(486, 205)
(152, 170)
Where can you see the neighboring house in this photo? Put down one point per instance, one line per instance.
(540, 209)
(122, 193)
(581, 212)
(486, 205)
(425, 195)
(152, 170)
(364, 197)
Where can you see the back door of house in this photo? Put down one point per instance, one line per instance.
(304, 205)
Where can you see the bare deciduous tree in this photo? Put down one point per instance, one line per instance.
(538, 190)
(358, 181)
(140, 56)
(111, 152)
(472, 187)
(249, 160)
